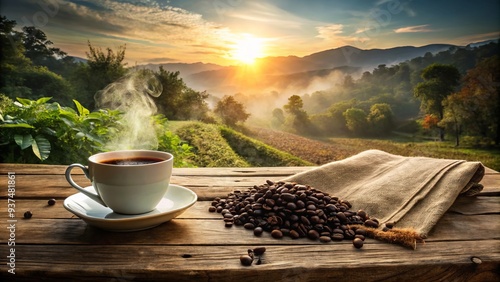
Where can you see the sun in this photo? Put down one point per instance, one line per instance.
(247, 49)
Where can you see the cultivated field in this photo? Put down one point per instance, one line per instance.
(331, 149)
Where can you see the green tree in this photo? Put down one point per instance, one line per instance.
(231, 111)
(439, 82)
(380, 119)
(178, 101)
(12, 60)
(294, 105)
(278, 118)
(475, 108)
(101, 69)
(37, 46)
(356, 120)
(20, 78)
(299, 119)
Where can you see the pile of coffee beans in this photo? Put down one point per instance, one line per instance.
(293, 210)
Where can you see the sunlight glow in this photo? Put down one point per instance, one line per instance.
(247, 49)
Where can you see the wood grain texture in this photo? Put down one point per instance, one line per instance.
(447, 262)
(56, 245)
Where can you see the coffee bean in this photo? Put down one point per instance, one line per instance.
(371, 223)
(359, 236)
(325, 239)
(258, 251)
(258, 231)
(313, 234)
(294, 234)
(246, 260)
(249, 225)
(362, 214)
(361, 231)
(28, 214)
(277, 234)
(338, 236)
(358, 243)
(287, 197)
(51, 202)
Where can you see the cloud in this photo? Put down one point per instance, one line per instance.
(413, 29)
(160, 60)
(334, 33)
(329, 31)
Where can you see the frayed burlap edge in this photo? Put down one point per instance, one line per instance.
(406, 237)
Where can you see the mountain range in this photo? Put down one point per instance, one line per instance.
(291, 72)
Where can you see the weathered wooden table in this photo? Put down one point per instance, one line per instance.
(56, 245)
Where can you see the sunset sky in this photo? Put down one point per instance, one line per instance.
(230, 32)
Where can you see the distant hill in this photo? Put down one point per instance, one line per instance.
(184, 69)
(78, 59)
(306, 74)
(369, 59)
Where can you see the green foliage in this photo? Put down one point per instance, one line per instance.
(101, 69)
(356, 120)
(172, 143)
(209, 147)
(474, 110)
(37, 46)
(62, 135)
(257, 153)
(178, 101)
(380, 119)
(56, 134)
(439, 82)
(231, 111)
(298, 120)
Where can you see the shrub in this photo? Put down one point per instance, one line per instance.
(258, 153)
(61, 135)
(210, 148)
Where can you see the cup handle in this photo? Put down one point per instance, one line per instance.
(91, 195)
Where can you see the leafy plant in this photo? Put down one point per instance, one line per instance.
(21, 128)
(61, 133)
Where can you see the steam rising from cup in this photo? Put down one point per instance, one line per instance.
(132, 95)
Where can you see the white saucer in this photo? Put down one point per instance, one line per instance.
(175, 202)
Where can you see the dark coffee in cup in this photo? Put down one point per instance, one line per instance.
(132, 161)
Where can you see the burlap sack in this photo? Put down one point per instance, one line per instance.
(412, 192)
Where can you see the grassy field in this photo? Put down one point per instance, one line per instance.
(330, 149)
(220, 146)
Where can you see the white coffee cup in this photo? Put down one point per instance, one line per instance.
(129, 181)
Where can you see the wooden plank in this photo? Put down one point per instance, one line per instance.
(211, 231)
(330, 262)
(56, 186)
(476, 205)
(463, 205)
(40, 169)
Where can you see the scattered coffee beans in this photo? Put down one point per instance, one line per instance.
(293, 210)
(28, 214)
(247, 260)
(51, 202)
